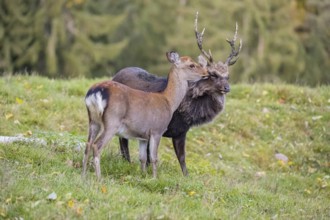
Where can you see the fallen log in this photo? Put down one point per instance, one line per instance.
(9, 140)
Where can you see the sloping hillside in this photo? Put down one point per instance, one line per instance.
(235, 172)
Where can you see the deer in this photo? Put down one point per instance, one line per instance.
(116, 109)
(204, 100)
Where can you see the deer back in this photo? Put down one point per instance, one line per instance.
(140, 79)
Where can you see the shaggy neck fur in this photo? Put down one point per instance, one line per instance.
(201, 109)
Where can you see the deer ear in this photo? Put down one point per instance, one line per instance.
(173, 57)
(202, 61)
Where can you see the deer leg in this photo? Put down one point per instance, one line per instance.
(123, 142)
(154, 142)
(96, 155)
(143, 154)
(85, 160)
(92, 133)
(148, 154)
(179, 144)
(101, 142)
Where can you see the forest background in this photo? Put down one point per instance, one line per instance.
(283, 40)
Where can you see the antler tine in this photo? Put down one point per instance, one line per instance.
(234, 53)
(199, 38)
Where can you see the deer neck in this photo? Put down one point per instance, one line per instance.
(176, 89)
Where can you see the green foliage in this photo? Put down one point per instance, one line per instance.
(273, 46)
(282, 40)
(233, 171)
(313, 32)
(148, 25)
(57, 39)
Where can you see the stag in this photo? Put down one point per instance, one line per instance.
(114, 108)
(204, 100)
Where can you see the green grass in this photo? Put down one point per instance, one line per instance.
(233, 171)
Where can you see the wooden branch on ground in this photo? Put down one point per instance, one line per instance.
(9, 140)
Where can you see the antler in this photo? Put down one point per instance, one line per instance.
(234, 53)
(199, 38)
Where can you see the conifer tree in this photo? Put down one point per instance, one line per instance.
(282, 40)
(57, 38)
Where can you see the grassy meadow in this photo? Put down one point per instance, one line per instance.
(233, 171)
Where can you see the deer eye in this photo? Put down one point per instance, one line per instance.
(192, 65)
(213, 75)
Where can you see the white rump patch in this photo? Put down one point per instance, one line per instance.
(96, 104)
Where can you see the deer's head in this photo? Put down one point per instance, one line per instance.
(218, 71)
(187, 68)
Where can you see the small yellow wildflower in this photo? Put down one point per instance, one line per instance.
(191, 193)
(70, 203)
